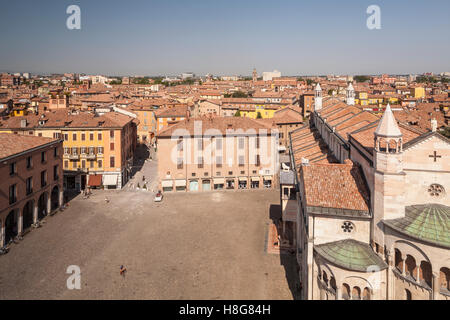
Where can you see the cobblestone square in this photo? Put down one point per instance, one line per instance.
(208, 245)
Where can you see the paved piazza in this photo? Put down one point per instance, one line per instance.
(190, 246)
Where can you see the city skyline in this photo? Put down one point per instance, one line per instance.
(225, 38)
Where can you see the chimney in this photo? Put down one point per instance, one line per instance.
(305, 162)
(23, 123)
(433, 125)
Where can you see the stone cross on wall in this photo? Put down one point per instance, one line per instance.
(435, 156)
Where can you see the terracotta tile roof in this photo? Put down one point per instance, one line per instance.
(11, 144)
(335, 186)
(308, 144)
(365, 136)
(292, 110)
(420, 117)
(102, 98)
(172, 112)
(62, 118)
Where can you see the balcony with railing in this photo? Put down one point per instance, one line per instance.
(74, 156)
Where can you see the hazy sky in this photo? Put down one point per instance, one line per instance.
(146, 37)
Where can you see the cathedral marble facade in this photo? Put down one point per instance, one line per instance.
(373, 205)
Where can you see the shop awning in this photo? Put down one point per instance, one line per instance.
(242, 178)
(180, 183)
(167, 183)
(268, 178)
(255, 178)
(110, 180)
(95, 180)
(219, 181)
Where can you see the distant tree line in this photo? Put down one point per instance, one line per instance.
(237, 94)
(361, 78)
(430, 79)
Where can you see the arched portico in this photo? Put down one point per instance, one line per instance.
(27, 215)
(11, 226)
(42, 206)
(55, 198)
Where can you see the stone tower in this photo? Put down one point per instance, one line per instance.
(350, 95)
(255, 75)
(318, 98)
(389, 179)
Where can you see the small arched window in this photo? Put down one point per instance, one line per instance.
(333, 283)
(345, 291)
(398, 260)
(444, 279)
(366, 294)
(325, 278)
(411, 267)
(356, 293)
(408, 295)
(425, 274)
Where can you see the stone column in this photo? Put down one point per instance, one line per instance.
(2, 233)
(310, 273)
(20, 223)
(435, 287)
(338, 293)
(418, 274)
(390, 277)
(61, 197)
(49, 204)
(35, 212)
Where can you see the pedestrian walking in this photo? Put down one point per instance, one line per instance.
(123, 270)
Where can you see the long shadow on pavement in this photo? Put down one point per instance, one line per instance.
(287, 259)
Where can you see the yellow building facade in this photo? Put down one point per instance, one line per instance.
(90, 150)
(265, 112)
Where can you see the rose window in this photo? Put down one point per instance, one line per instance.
(435, 190)
(347, 227)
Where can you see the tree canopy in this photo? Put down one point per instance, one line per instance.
(361, 78)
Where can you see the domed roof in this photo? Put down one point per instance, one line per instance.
(351, 255)
(427, 222)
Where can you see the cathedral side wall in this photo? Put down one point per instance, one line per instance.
(427, 163)
(417, 293)
(422, 190)
(329, 229)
